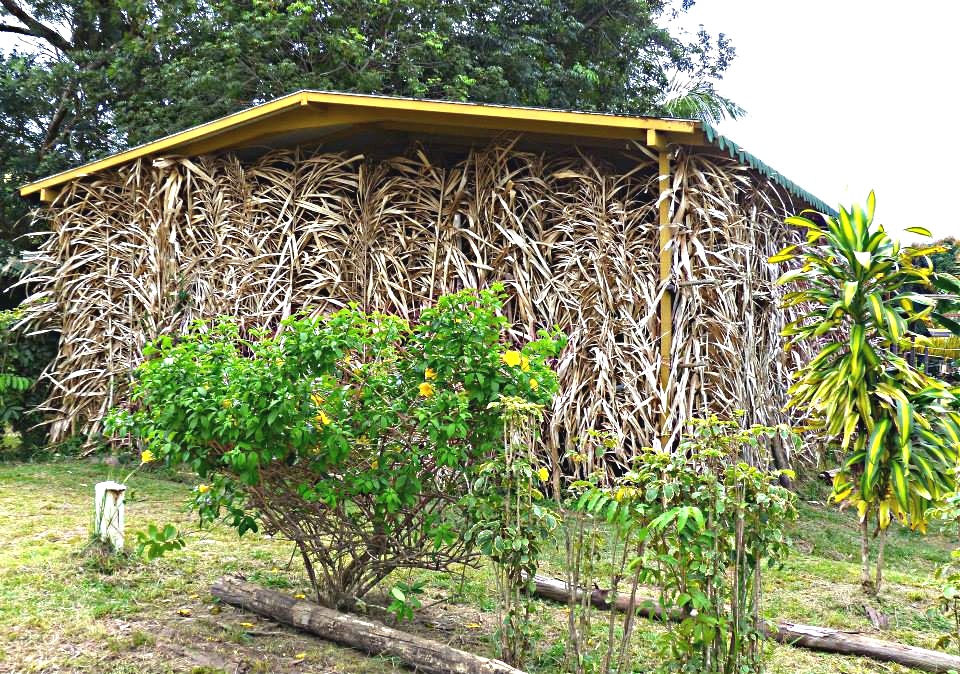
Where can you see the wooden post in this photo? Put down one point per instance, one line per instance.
(666, 299)
(108, 513)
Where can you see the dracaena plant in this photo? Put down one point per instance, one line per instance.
(862, 297)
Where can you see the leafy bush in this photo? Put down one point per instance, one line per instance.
(860, 299)
(355, 435)
(22, 359)
(697, 524)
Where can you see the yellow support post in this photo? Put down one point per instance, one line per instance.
(666, 300)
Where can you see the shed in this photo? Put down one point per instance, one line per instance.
(646, 239)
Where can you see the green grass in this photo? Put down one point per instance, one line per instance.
(66, 606)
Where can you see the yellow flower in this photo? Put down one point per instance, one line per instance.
(317, 399)
(323, 418)
(534, 384)
(430, 373)
(300, 596)
(525, 364)
(511, 358)
(203, 488)
(543, 474)
(227, 403)
(426, 389)
(374, 464)
(146, 457)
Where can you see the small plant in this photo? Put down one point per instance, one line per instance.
(698, 524)
(156, 542)
(861, 296)
(405, 599)
(586, 539)
(949, 574)
(513, 521)
(355, 435)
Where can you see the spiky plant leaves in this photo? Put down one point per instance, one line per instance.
(863, 298)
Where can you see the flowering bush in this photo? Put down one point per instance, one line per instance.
(353, 434)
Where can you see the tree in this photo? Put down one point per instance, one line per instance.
(898, 428)
(947, 260)
(699, 100)
(109, 73)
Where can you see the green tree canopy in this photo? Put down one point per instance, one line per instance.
(105, 74)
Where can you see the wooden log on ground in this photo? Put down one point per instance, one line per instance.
(853, 643)
(812, 637)
(421, 654)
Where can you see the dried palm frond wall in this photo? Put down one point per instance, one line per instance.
(143, 250)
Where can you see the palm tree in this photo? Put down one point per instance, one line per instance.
(699, 99)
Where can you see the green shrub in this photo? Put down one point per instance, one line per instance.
(697, 524)
(22, 359)
(355, 435)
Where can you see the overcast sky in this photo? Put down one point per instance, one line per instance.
(845, 96)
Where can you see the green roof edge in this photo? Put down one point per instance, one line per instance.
(724, 144)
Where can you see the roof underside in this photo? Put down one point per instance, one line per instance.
(316, 117)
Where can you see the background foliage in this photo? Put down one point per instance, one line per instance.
(22, 359)
(110, 73)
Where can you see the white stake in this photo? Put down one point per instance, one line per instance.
(108, 513)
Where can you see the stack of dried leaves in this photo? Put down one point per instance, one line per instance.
(145, 249)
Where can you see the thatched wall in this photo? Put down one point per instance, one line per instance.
(143, 250)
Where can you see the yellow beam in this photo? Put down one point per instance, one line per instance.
(656, 139)
(666, 299)
(313, 109)
(48, 195)
(168, 142)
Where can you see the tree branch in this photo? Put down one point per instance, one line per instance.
(36, 28)
(7, 28)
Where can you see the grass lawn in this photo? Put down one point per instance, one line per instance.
(65, 607)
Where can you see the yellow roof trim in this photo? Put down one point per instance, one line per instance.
(317, 109)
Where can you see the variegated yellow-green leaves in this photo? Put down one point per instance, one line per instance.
(863, 297)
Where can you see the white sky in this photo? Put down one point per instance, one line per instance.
(845, 96)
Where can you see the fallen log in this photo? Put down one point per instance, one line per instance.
(815, 638)
(421, 654)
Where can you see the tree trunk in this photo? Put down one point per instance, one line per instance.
(802, 636)
(881, 537)
(780, 461)
(865, 580)
(421, 654)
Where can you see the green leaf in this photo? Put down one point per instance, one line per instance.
(922, 231)
(899, 483)
(874, 450)
(849, 292)
(904, 421)
(784, 255)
